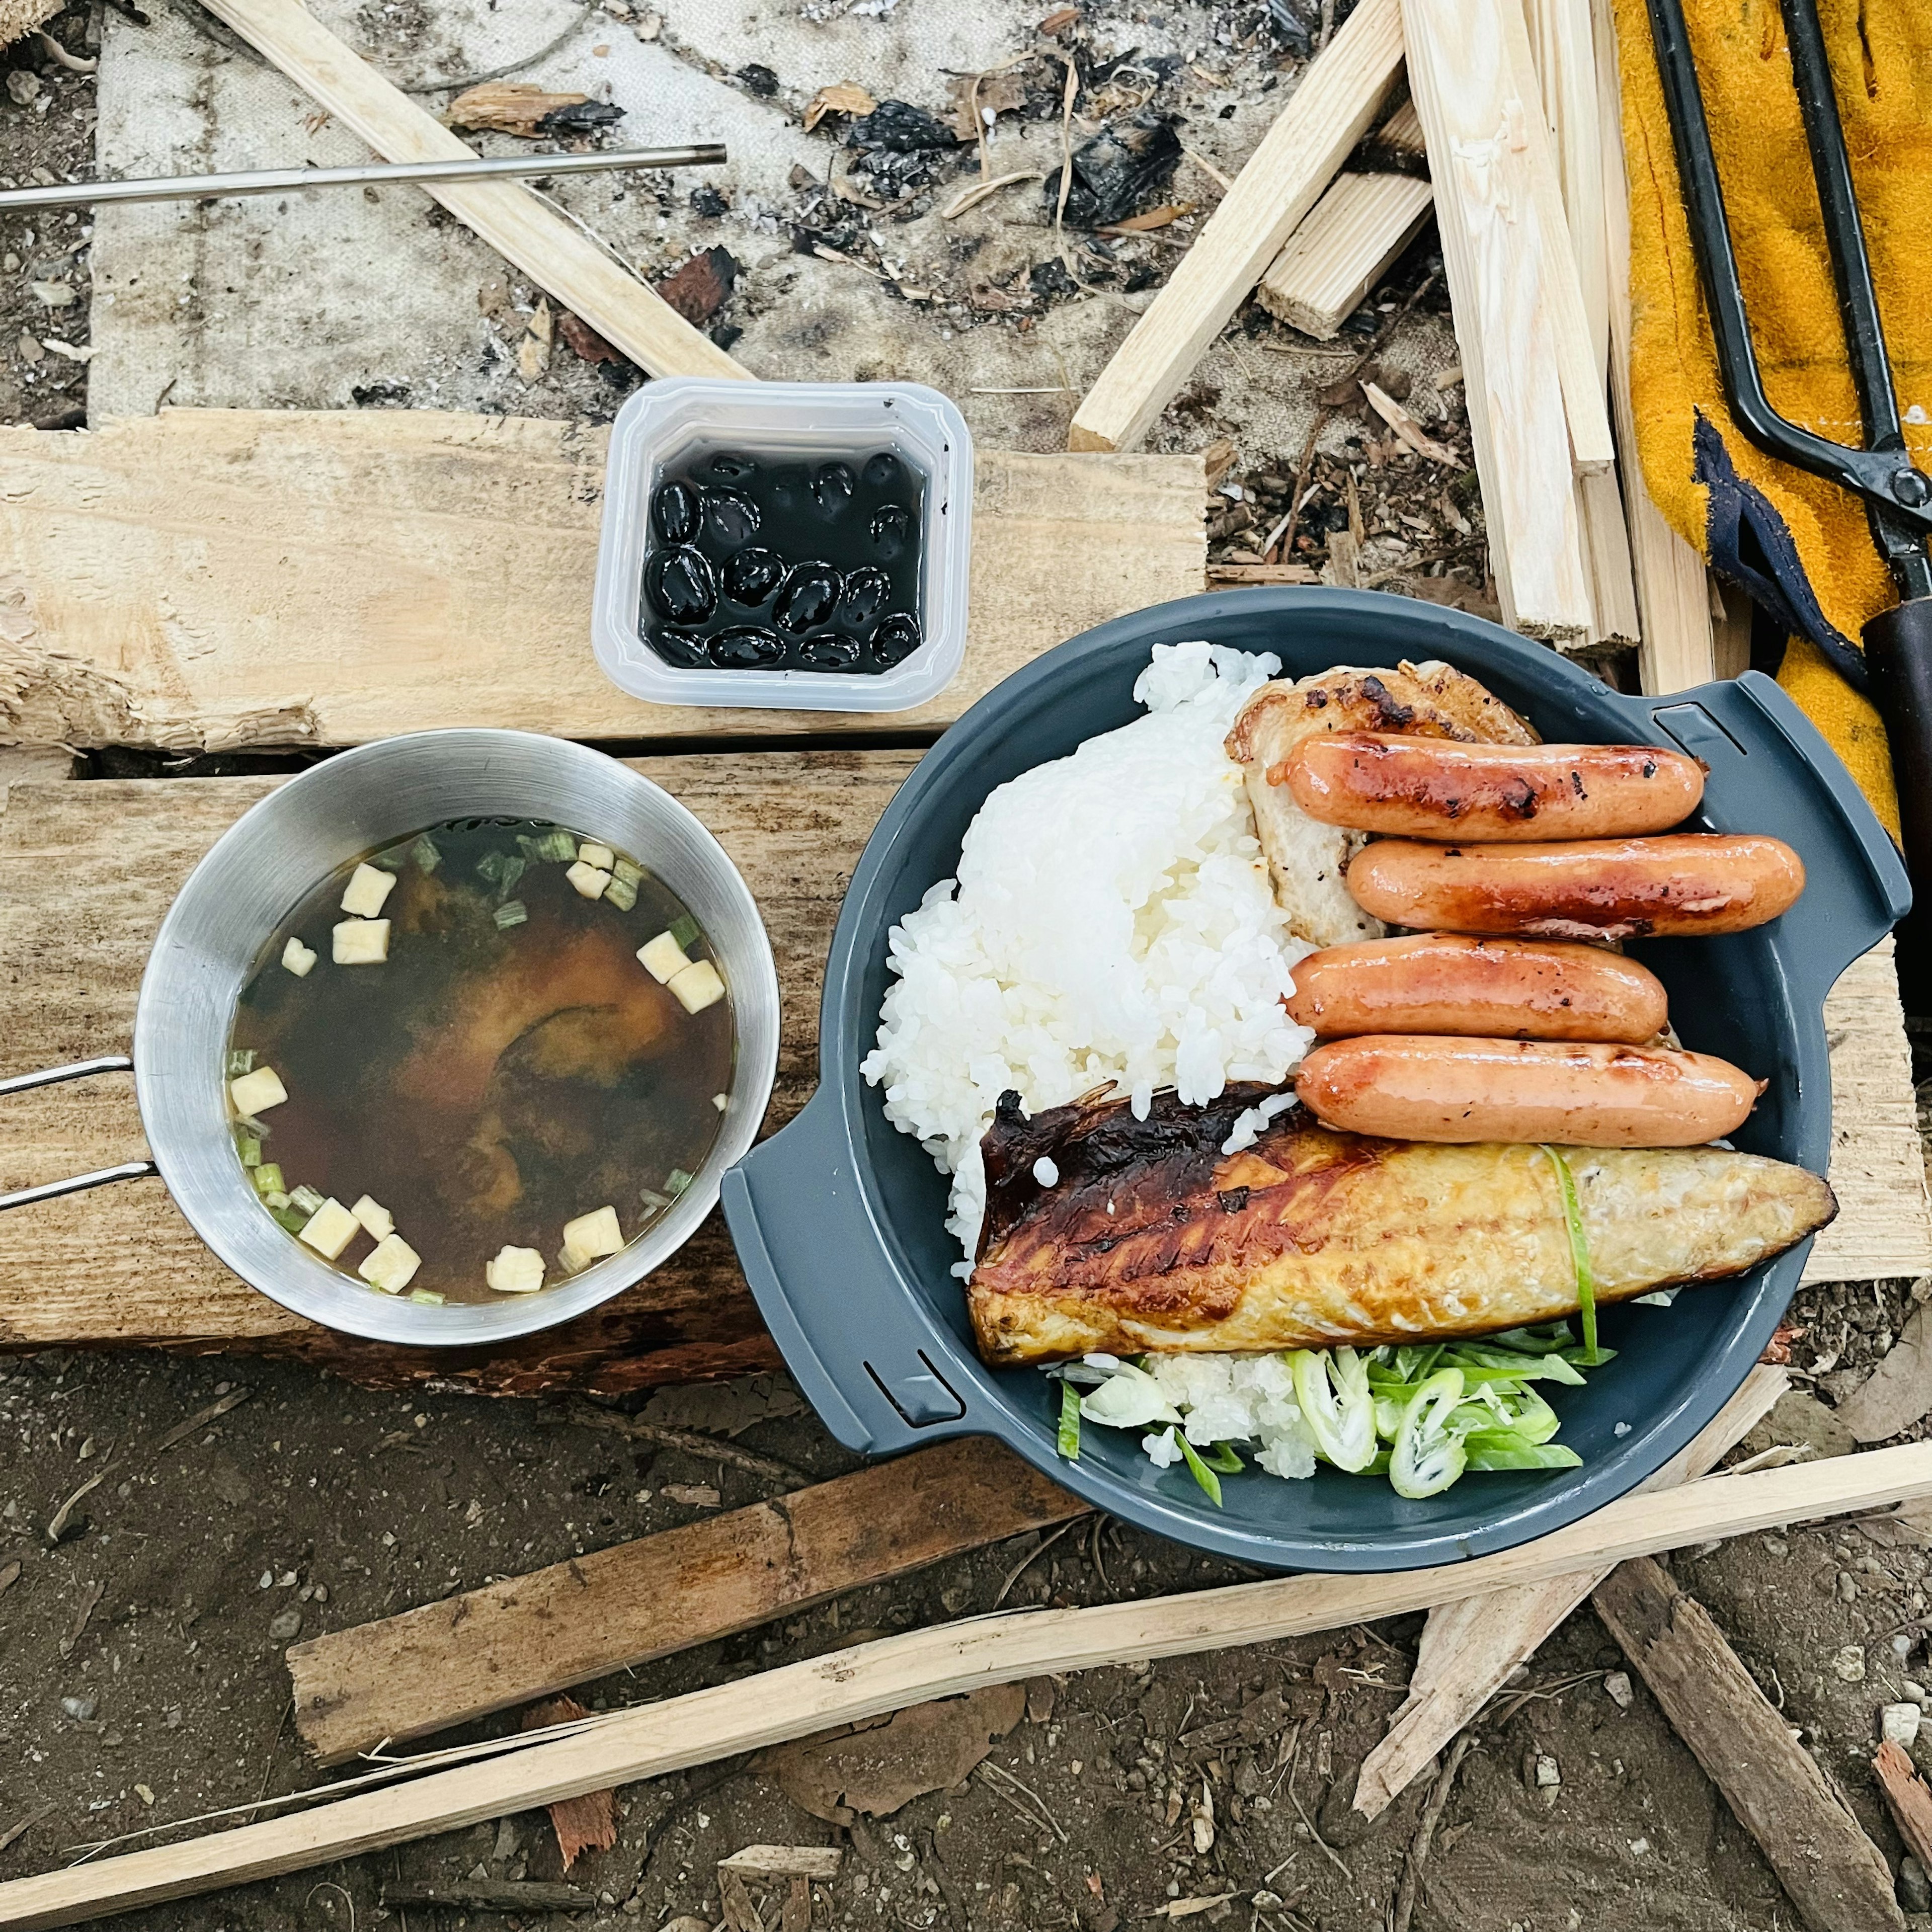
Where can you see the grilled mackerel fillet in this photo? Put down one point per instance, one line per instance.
(1309, 859)
(1153, 1240)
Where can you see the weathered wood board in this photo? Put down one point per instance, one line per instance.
(210, 579)
(88, 870)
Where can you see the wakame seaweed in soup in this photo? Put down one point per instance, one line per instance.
(479, 1060)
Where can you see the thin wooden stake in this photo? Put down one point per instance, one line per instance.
(846, 1686)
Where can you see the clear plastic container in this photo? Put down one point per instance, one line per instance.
(669, 420)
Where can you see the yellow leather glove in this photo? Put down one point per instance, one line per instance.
(1798, 544)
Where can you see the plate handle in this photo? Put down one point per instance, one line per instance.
(843, 1317)
(78, 1183)
(1778, 776)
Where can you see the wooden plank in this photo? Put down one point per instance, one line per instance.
(1496, 253)
(1775, 1788)
(1468, 1648)
(1328, 113)
(210, 579)
(1877, 1167)
(86, 872)
(1673, 611)
(507, 215)
(1335, 257)
(850, 1685)
(529, 1637)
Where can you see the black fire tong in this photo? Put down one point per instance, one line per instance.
(1897, 497)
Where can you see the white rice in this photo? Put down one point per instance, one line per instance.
(1112, 922)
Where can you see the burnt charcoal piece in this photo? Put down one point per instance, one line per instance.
(891, 525)
(674, 511)
(895, 640)
(810, 595)
(731, 519)
(832, 488)
(745, 647)
(883, 471)
(753, 575)
(900, 127)
(868, 591)
(679, 648)
(679, 585)
(728, 466)
(1122, 170)
(829, 651)
(578, 117)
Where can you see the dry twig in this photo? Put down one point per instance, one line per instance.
(1425, 1832)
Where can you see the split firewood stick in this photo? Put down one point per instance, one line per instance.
(529, 1637)
(1469, 1648)
(1327, 113)
(1498, 253)
(848, 1686)
(1833, 1872)
(506, 214)
(1908, 1798)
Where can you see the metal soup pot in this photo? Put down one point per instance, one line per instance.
(262, 867)
(839, 1219)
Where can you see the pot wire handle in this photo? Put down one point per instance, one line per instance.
(102, 1177)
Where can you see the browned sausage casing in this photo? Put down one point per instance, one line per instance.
(1449, 983)
(1414, 1087)
(1679, 886)
(1416, 787)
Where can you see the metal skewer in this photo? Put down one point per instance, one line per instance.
(282, 181)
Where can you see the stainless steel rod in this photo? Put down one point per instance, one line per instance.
(283, 180)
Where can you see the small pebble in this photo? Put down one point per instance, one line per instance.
(1898, 1724)
(1617, 1688)
(1549, 1776)
(266, 1581)
(1901, 1646)
(288, 1624)
(80, 1709)
(1639, 1846)
(1915, 1889)
(1849, 1664)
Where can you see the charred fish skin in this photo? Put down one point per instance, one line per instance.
(1153, 1240)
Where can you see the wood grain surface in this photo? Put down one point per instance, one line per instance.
(526, 1636)
(210, 579)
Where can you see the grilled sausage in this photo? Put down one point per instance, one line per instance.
(1413, 1086)
(1414, 787)
(1679, 886)
(1448, 983)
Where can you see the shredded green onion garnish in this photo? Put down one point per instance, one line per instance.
(676, 1182)
(1579, 1252)
(304, 1198)
(241, 1060)
(425, 854)
(622, 893)
(684, 931)
(1068, 1441)
(513, 912)
(627, 870)
(249, 1147)
(556, 844)
(1210, 1484)
(267, 1178)
(428, 1295)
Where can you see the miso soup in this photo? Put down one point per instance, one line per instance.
(480, 1060)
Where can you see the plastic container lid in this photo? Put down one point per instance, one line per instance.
(670, 419)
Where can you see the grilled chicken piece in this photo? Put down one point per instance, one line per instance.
(1309, 860)
(1152, 1239)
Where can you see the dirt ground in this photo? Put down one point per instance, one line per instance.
(141, 1676)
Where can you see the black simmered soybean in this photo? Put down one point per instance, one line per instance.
(805, 565)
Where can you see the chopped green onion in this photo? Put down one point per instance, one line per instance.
(248, 1124)
(1428, 1455)
(276, 1200)
(514, 866)
(291, 1217)
(1331, 1389)
(241, 1060)
(513, 912)
(1580, 1253)
(269, 1179)
(627, 870)
(1222, 1455)
(1210, 1484)
(653, 1201)
(249, 1147)
(676, 1182)
(426, 1295)
(684, 930)
(1068, 1440)
(555, 845)
(491, 866)
(425, 854)
(306, 1199)
(620, 893)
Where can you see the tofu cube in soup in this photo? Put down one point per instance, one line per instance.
(368, 887)
(588, 879)
(254, 1093)
(594, 1235)
(515, 1271)
(663, 958)
(391, 1265)
(600, 857)
(698, 986)
(375, 1217)
(299, 959)
(330, 1229)
(361, 942)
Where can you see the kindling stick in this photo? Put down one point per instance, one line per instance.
(874, 1679)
